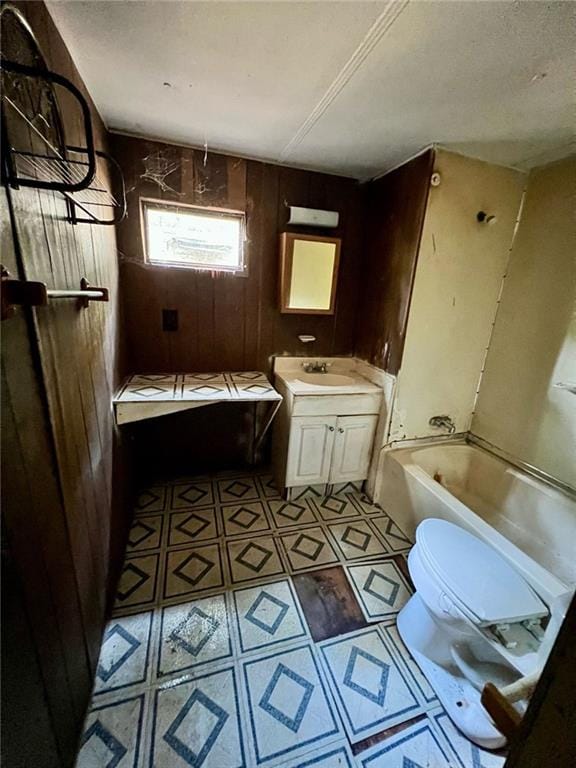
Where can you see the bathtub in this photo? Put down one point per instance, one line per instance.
(531, 524)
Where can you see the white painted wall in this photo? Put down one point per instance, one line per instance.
(460, 268)
(533, 345)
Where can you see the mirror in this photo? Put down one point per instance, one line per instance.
(308, 273)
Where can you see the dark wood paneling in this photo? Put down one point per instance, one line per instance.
(63, 492)
(22, 683)
(394, 215)
(230, 322)
(225, 322)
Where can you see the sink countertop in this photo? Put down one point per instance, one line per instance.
(300, 382)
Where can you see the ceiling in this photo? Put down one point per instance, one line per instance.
(346, 87)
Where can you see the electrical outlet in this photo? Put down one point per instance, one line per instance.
(169, 319)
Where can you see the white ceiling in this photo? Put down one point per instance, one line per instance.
(345, 87)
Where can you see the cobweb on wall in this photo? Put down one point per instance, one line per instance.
(157, 167)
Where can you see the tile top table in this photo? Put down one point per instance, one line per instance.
(146, 396)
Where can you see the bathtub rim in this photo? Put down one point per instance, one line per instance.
(523, 466)
(469, 438)
(549, 586)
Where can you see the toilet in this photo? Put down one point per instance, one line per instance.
(473, 619)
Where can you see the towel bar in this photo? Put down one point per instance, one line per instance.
(31, 293)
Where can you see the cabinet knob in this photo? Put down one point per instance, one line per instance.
(340, 429)
(331, 429)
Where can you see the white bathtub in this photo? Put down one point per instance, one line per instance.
(530, 523)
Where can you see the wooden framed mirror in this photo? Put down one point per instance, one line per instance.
(308, 273)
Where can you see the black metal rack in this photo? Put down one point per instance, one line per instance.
(74, 171)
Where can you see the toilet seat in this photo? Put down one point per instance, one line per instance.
(474, 576)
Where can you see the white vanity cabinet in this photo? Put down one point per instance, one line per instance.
(329, 449)
(324, 439)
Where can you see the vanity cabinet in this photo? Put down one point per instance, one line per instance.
(329, 449)
(324, 431)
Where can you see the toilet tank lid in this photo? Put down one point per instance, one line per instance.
(476, 574)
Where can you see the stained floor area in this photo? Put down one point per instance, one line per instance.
(251, 631)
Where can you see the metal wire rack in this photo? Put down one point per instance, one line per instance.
(76, 172)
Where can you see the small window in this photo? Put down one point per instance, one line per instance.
(185, 236)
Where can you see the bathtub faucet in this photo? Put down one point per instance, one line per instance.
(443, 422)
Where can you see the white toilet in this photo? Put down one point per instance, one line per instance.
(472, 620)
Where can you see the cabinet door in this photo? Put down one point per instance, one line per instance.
(352, 448)
(310, 450)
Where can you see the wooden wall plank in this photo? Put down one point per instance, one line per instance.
(40, 557)
(394, 215)
(267, 260)
(22, 683)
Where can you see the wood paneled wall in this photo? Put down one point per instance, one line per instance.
(229, 322)
(394, 208)
(63, 512)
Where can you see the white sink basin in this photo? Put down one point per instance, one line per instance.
(326, 379)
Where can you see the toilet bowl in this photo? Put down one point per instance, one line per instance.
(472, 620)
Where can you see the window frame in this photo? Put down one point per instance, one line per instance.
(203, 210)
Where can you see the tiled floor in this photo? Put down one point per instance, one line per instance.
(210, 658)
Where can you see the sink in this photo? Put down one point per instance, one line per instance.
(326, 379)
(342, 381)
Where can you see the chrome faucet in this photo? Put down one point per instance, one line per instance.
(315, 367)
(443, 422)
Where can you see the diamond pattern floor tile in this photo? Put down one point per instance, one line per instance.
(151, 500)
(197, 723)
(267, 615)
(124, 653)
(192, 526)
(289, 709)
(112, 735)
(145, 533)
(238, 489)
(396, 540)
(352, 488)
(417, 746)
(255, 558)
(192, 634)
(308, 548)
(335, 507)
(421, 688)
(306, 492)
(137, 584)
(336, 755)
(243, 518)
(267, 486)
(192, 494)
(356, 540)
(365, 505)
(380, 587)
(371, 687)
(288, 514)
(192, 570)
